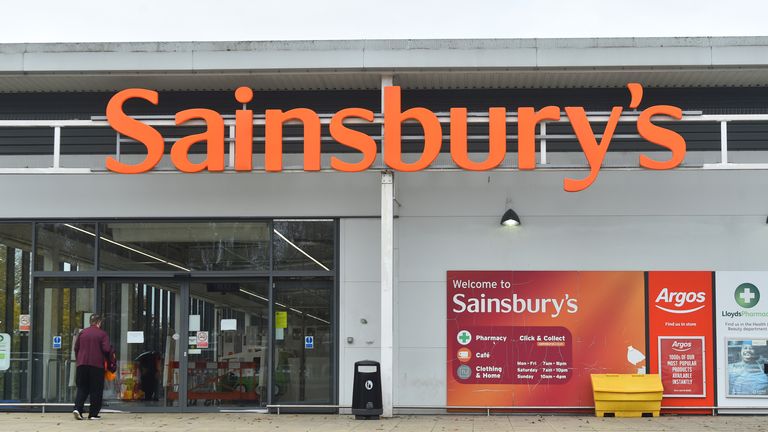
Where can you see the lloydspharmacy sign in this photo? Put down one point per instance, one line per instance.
(747, 296)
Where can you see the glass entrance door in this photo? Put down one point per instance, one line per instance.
(228, 343)
(187, 343)
(204, 344)
(143, 319)
(62, 309)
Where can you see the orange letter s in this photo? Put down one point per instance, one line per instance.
(143, 133)
(661, 136)
(393, 143)
(353, 139)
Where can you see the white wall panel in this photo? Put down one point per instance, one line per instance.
(419, 378)
(628, 220)
(358, 298)
(425, 329)
(189, 195)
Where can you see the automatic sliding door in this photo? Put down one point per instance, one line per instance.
(143, 320)
(228, 343)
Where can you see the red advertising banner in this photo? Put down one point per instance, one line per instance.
(528, 338)
(680, 332)
(682, 364)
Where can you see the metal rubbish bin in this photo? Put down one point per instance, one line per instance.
(366, 393)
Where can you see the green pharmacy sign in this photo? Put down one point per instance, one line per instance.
(747, 295)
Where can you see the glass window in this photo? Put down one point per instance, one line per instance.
(65, 247)
(187, 246)
(62, 307)
(304, 244)
(15, 258)
(304, 343)
(230, 365)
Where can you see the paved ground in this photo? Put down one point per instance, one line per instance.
(58, 422)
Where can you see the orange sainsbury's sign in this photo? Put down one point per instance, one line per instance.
(393, 118)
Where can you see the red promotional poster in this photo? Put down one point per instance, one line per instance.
(532, 338)
(680, 331)
(682, 364)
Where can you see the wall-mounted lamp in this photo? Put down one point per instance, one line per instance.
(510, 218)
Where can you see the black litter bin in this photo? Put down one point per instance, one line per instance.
(366, 394)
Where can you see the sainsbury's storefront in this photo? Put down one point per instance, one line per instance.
(237, 276)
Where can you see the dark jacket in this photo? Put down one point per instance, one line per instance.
(92, 347)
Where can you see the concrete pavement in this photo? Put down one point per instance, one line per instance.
(63, 422)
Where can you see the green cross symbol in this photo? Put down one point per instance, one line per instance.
(464, 337)
(747, 295)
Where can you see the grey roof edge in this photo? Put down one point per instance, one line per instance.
(713, 61)
(382, 55)
(398, 44)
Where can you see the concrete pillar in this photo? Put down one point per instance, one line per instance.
(387, 277)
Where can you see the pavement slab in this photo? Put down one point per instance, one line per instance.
(236, 422)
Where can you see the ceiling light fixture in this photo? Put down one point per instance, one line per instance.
(510, 218)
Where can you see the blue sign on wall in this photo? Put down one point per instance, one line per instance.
(309, 342)
(57, 342)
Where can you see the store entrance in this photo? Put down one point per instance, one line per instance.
(183, 344)
(204, 315)
(189, 344)
(144, 321)
(227, 343)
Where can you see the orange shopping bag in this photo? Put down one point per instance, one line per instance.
(108, 374)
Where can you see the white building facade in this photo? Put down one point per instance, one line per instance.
(248, 290)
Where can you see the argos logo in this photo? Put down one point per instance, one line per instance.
(681, 346)
(680, 302)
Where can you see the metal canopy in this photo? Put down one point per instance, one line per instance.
(359, 64)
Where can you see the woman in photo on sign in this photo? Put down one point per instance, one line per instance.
(747, 377)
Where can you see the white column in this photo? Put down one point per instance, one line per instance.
(543, 149)
(723, 142)
(387, 277)
(125, 311)
(232, 146)
(57, 146)
(387, 292)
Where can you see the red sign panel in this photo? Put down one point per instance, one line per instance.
(682, 364)
(532, 338)
(680, 331)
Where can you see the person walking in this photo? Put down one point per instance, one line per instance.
(92, 349)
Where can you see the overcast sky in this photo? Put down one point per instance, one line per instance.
(194, 20)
